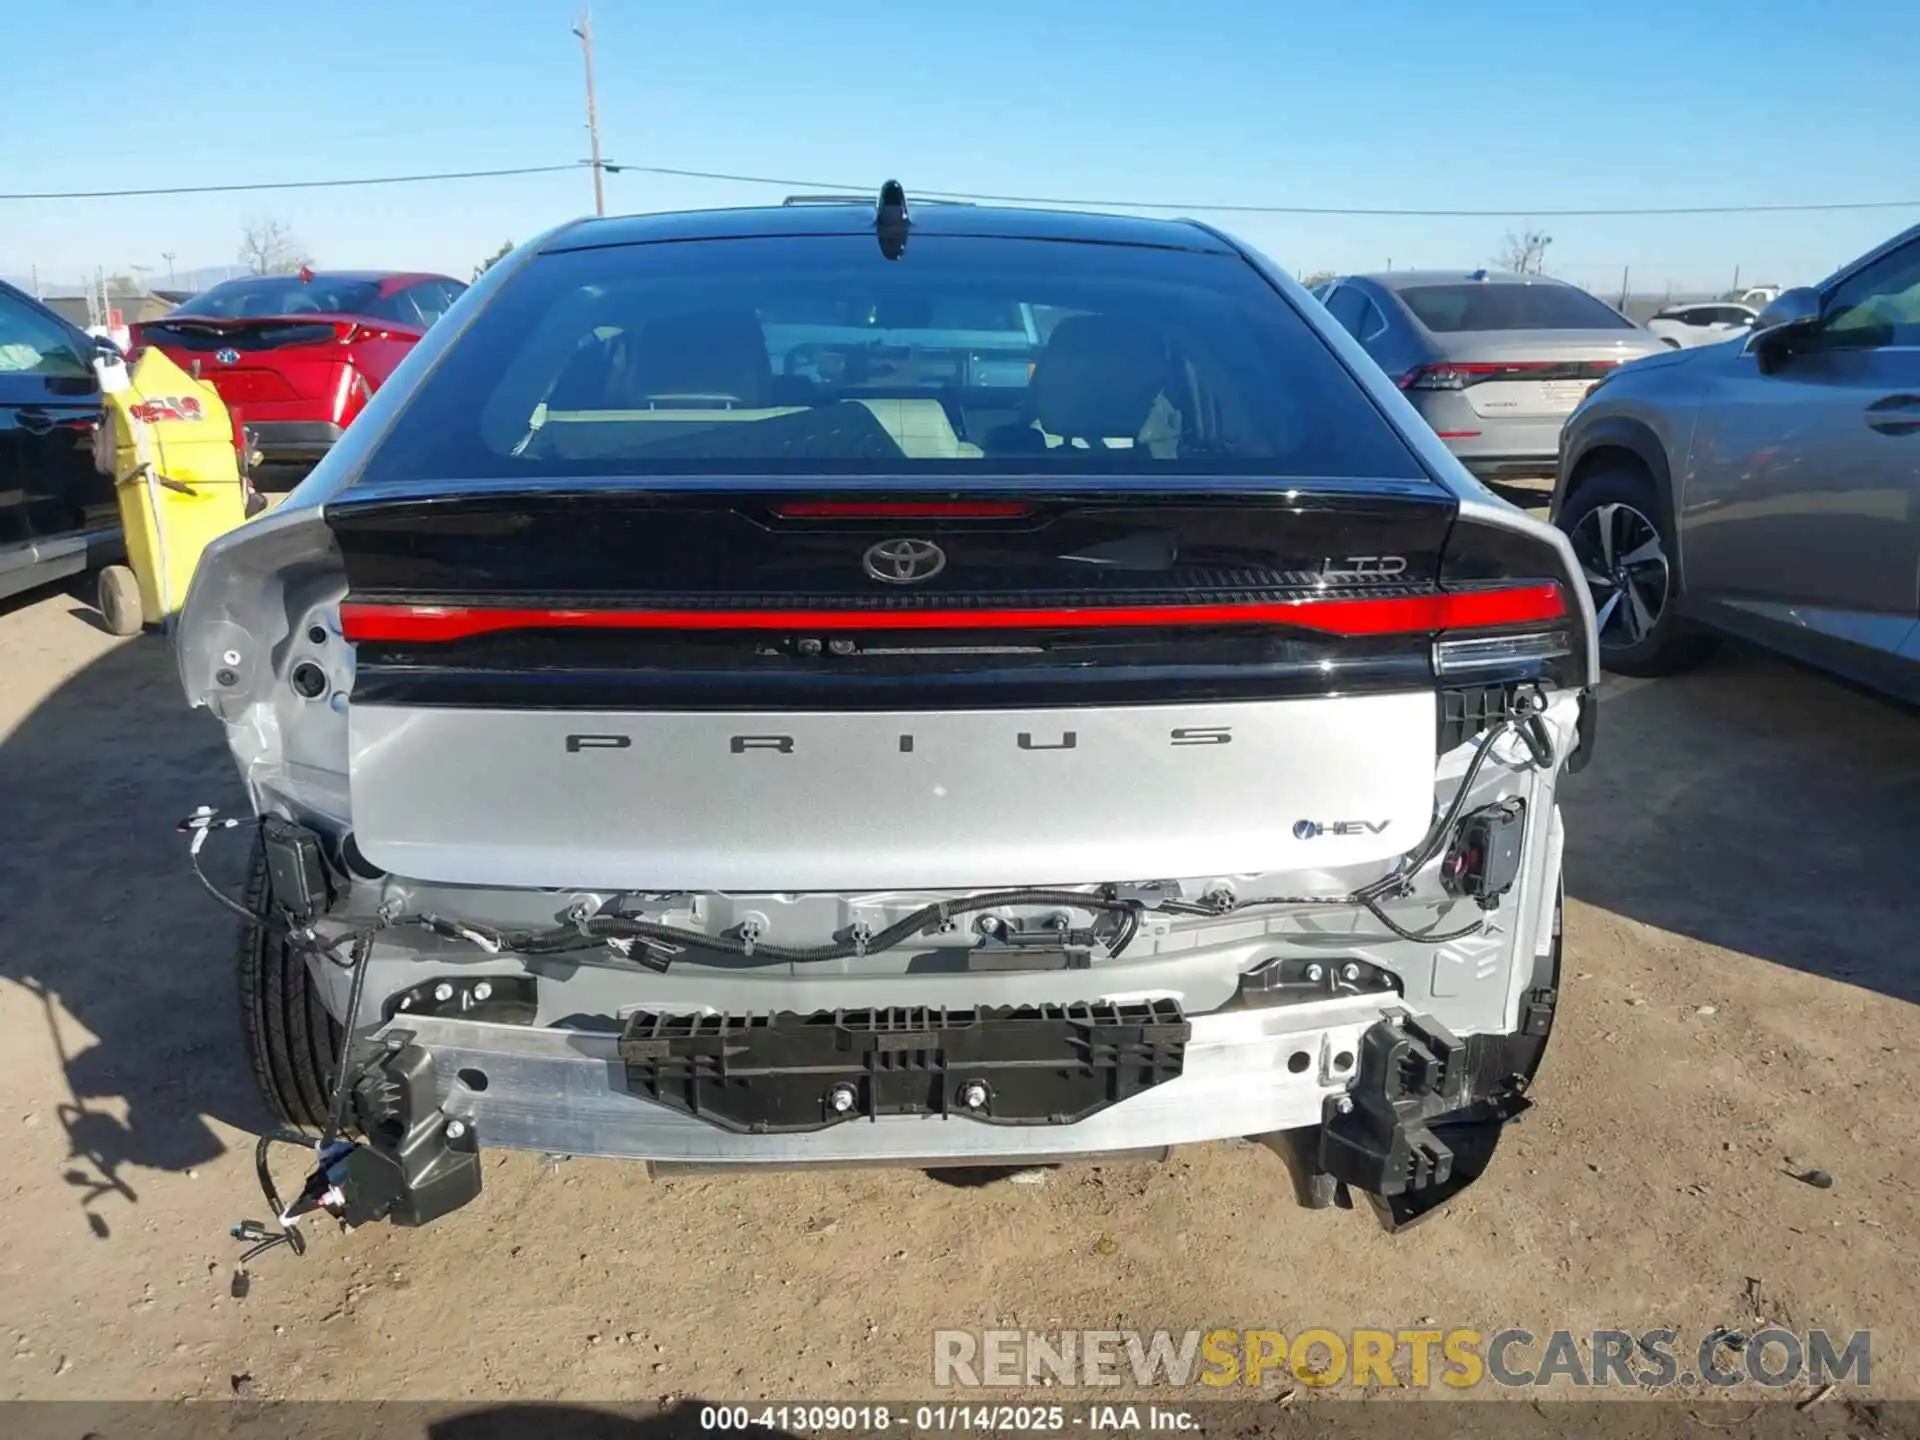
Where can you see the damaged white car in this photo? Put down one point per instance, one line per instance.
(714, 708)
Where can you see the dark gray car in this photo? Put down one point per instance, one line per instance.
(1493, 361)
(1770, 489)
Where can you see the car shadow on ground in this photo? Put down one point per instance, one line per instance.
(1760, 808)
(104, 931)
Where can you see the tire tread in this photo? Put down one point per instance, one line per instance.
(292, 1043)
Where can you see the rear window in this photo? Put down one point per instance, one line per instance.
(816, 355)
(1471, 306)
(283, 295)
(32, 342)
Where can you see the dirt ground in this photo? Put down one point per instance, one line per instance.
(1739, 1006)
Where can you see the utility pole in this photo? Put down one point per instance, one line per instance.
(585, 31)
(167, 255)
(1736, 280)
(1623, 288)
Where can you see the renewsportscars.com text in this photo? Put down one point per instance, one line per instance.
(1415, 1358)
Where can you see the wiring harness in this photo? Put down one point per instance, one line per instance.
(595, 931)
(352, 947)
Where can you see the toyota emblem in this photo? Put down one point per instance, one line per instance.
(904, 562)
(227, 356)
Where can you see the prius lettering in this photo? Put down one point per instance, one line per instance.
(908, 744)
(577, 743)
(1203, 735)
(1068, 739)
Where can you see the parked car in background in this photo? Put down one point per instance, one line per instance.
(756, 762)
(296, 357)
(1770, 490)
(978, 344)
(1493, 361)
(1705, 323)
(58, 514)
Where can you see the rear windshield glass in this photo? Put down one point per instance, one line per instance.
(817, 355)
(283, 295)
(1468, 306)
(34, 343)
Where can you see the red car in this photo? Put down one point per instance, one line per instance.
(295, 357)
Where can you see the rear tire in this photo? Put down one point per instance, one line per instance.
(1614, 521)
(118, 595)
(291, 1041)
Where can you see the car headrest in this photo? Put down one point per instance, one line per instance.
(701, 352)
(1097, 378)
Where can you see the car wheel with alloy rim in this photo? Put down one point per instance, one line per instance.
(1613, 522)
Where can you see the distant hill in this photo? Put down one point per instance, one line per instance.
(192, 281)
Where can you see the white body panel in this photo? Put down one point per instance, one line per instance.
(1527, 399)
(721, 802)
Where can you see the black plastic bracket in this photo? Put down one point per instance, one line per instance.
(1375, 1137)
(1426, 1110)
(785, 1072)
(417, 1164)
(296, 869)
(1483, 861)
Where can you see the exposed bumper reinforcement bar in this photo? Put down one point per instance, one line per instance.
(1352, 1091)
(1243, 1072)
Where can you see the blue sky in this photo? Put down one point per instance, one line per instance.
(1378, 103)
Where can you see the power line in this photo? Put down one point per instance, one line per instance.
(992, 197)
(1243, 209)
(285, 184)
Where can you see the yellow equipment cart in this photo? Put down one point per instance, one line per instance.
(177, 471)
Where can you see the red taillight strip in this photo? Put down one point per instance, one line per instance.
(1489, 369)
(1384, 615)
(902, 509)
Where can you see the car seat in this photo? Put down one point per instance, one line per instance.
(1096, 384)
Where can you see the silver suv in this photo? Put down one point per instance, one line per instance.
(1493, 361)
(1770, 490)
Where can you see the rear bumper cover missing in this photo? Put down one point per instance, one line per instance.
(1352, 1091)
(1244, 1072)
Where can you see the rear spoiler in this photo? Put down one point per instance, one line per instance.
(344, 327)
